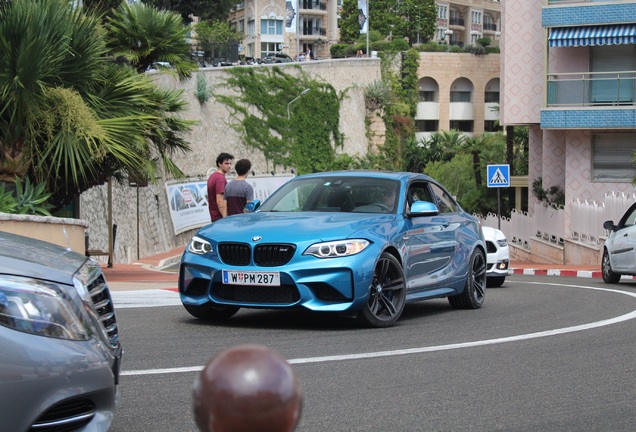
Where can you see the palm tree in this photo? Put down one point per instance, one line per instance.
(69, 116)
(144, 35)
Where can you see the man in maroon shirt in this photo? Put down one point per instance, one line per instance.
(216, 187)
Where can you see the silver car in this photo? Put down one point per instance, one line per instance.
(619, 251)
(60, 353)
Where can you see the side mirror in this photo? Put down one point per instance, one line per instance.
(252, 206)
(424, 208)
(609, 225)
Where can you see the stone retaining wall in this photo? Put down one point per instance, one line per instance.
(66, 232)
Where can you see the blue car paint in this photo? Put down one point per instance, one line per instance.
(434, 249)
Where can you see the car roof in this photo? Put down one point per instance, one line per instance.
(394, 175)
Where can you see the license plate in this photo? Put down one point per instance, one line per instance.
(251, 278)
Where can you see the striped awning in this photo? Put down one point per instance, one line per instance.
(592, 35)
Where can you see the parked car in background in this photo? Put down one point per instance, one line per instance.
(497, 257)
(353, 242)
(60, 352)
(277, 58)
(619, 251)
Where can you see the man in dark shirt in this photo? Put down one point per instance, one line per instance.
(238, 192)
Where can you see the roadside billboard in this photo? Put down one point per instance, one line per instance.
(188, 200)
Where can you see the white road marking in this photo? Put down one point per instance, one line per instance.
(527, 336)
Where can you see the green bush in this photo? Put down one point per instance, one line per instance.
(475, 49)
(400, 44)
(338, 50)
(431, 46)
(28, 199)
(381, 45)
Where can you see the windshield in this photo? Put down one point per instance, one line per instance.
(335, 194)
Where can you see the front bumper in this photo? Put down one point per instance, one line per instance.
(329, 285)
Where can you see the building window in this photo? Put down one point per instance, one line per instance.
(251, 26)
(462, 125)
(241, 26)
(476, 17)
(426, 96)
(272, 27)
(268, 48)
(492, 126)
(427, 125)
(460, 96)
(442, 11)
(612, 157)
(491, 97)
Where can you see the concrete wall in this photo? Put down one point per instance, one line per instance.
(143, 213)
(68, 233)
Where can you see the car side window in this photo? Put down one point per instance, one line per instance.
(419, 191)
(630, 220)
(445, 202)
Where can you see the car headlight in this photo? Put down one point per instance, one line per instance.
(39, 308)
(502, 243)
(199, 246)
(338, 248)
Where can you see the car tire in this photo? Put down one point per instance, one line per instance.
(606, 267)
(387, 293)
(495, 281)
(211, 311)
(475, 290)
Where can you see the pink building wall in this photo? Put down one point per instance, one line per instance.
(522, 62)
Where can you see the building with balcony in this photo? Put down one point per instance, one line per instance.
(457, 91)
(463, 22)
(289, 27)
(568, 71)
(294, 26)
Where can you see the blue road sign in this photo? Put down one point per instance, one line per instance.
(498, 176)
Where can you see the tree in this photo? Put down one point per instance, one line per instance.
(349, 21)
(418, 20)
(204, 9)
(69, 117)
(407, 18)
(211, 34)
(144, 35)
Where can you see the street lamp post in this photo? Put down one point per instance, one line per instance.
(294, 100)
(447, 34)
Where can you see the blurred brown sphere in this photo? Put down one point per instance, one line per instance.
(247, 388)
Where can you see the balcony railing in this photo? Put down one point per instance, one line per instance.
(456, 21)
(555, 2)
(314, 31)
(313, 4)
(490, 26)
(591, 89)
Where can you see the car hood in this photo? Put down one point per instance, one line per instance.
(23, 256)
(297, 227)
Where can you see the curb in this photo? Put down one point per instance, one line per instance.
(589, 274)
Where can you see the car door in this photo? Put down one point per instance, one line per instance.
(429, 242)
(622, 246)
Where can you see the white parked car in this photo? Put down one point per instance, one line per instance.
(497, 257)
(618, 253)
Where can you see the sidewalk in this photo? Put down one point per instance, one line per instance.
(149, 273)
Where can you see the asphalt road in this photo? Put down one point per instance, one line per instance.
(543, 354)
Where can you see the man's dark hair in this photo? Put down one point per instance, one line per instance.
(222, 158)
(243, 166)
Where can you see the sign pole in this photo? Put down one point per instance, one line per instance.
(498, 177)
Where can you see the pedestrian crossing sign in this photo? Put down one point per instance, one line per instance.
(498, 176)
